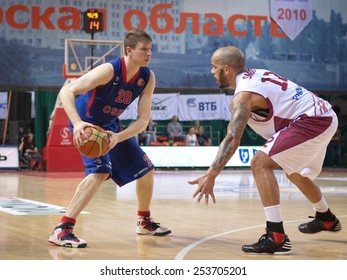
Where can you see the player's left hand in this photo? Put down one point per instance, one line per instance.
(114, 140)
(205, 188)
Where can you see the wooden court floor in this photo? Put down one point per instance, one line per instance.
(31, 204)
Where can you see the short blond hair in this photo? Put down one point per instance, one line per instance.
(134, 37)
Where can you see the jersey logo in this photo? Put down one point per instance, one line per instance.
(298, 93)
(140, 82)
(116, 82)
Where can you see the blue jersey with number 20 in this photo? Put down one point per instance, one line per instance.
(102, 106)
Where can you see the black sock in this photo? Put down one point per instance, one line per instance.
(276, 227)
(326, 216)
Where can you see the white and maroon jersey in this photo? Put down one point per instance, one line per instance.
(287, 101)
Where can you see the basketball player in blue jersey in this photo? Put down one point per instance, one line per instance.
(104, 93)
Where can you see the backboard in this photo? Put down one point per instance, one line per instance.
(82, 55)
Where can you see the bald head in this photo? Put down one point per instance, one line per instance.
(227, 63)
(231, 56)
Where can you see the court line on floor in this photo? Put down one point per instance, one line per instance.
(181, 254)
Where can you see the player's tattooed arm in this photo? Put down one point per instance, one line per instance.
(236, 127)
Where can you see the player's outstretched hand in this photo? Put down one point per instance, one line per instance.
(205, 188)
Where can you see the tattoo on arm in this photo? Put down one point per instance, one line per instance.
(232, 140)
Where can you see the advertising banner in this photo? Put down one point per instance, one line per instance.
(201, 107)
(9, 158)
(3, 105)
(282, 35)
(196, 156)
(164, 106)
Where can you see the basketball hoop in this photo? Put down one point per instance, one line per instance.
(82, 55)
(69, 76)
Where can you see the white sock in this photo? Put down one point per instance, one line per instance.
(273, 213)
(320, 206)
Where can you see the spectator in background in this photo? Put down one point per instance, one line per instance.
(143, 138)
(191, 139)
(203, 139)
(197, 126)
(28, 150)
(151, 130)
(175, 131)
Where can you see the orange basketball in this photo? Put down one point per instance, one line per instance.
(95, 144)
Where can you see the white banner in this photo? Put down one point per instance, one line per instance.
(3, 105)
(164, 106)
(9, 157)
(87, 269)
(201, 107)
(188, 107)
(227, 113)
(291, 15)
(33, 112)
(184, 156)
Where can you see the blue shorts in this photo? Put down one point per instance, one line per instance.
(125, 163)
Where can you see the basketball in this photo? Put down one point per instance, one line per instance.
(95, 144)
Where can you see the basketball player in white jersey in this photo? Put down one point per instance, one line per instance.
(297, 125)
